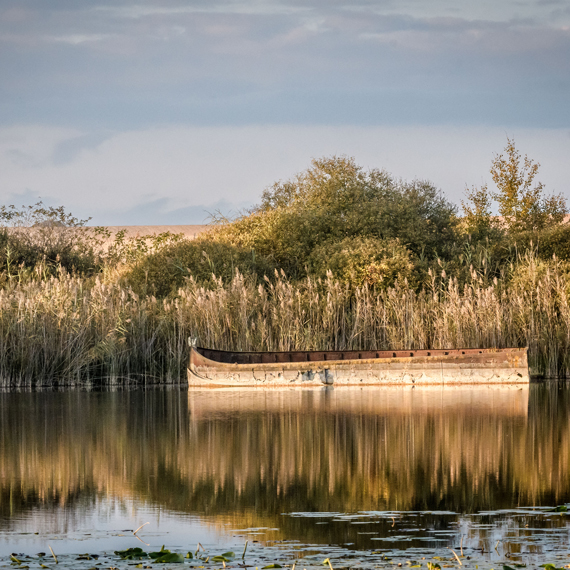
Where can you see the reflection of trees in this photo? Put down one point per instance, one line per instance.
(57, 448)
(252, 462)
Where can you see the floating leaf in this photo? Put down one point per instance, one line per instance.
(129, 554)
(560, 509)
(156, 555)
(189, 555)
(170, 558)
(228, 554)
(272, 566)
(220, 558)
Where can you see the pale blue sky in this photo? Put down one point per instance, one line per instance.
(152, 111)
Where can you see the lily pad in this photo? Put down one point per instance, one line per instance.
(129, 554)
(170, 558)
(160, 553)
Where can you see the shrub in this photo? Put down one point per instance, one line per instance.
(164, 271)
(552, 241)
(360, 260)
(48, 236)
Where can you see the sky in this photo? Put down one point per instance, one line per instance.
(163, 111)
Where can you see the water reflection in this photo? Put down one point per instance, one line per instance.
(241, 459)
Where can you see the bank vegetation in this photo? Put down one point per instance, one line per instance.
(337, 257)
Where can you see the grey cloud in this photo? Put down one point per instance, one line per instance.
(21, 158)
(159, 212)
(217, 63)
(67, 150)
(150, 212)
(136, 11)
(29, 198)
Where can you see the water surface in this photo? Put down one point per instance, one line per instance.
(401, 472)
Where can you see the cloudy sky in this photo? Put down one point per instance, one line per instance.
(158, 111)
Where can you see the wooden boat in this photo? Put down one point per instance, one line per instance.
(358, 367)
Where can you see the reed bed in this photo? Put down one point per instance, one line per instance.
(67, 330)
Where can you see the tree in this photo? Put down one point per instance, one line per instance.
(522, 202)
(477, 211)
(336, 200)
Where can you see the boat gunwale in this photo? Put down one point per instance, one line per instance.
(441, 355)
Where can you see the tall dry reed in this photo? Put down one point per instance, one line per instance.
(71, 331)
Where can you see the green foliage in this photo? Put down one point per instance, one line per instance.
(49, 236)
(522, 204)
(551, 242)
(521, 201)
(167, 557)
(359, 260)
(478, 215)
(132, 554)
(165, 270)
(124, 250)
(336, 199)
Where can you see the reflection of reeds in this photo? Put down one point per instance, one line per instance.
(70, 330)
(60, 448)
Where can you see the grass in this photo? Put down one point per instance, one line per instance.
(66, 330)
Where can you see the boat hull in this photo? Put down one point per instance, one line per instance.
(467, 366)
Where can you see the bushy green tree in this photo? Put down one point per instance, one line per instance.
(335, 199)
(521, 201)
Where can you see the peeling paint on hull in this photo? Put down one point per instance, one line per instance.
(465, 366)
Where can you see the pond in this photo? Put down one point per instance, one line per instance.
(474, 477)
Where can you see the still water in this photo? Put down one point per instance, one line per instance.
(363, 476)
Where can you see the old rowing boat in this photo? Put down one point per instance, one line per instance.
(357, 368)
